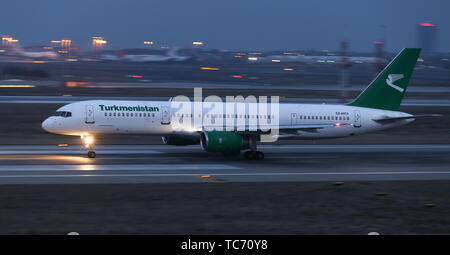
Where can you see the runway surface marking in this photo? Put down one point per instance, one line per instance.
(229, 174)
(74, 151)
(162, 149)
(115, 167)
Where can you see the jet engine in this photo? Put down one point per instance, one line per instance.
(225, 142)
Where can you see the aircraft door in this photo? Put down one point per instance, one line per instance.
(89, 117)
(165, 115)
(357, 119)
(293, 118)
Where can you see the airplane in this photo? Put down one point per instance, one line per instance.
(376, 108)
(171, 56)
(314, 59)
(19, 51)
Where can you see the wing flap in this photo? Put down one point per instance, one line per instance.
(283, 128)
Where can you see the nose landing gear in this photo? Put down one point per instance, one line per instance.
(89, 144)
(91, 154)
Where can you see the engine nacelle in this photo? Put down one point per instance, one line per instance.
(178, 140)
(226, 142)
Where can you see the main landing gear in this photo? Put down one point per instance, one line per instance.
(88, 142)
(253, 153)
(258, 155)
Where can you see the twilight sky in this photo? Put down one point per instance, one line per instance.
(228, 24)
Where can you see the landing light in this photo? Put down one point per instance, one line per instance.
(89, 140)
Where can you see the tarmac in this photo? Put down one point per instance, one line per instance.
(46, 164)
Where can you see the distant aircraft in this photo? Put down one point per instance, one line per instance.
(376, 108)
(19, 51)
(313, 59)
(171, 56)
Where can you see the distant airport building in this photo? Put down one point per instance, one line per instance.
(98, 42)
(8, 41)
(427, 38)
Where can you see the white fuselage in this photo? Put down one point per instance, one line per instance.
(157, 118)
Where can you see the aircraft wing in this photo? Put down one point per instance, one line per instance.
(259, 129)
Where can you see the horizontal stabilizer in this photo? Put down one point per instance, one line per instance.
(392, 119)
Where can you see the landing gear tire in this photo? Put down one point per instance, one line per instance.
(257, 155)
(91, 154)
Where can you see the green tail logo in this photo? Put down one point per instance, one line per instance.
(386, 91)
(392, 78)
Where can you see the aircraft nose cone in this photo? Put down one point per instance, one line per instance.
(46, 125)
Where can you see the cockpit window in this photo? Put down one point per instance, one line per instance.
(63, 114)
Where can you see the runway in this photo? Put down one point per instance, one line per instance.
(185, 164)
